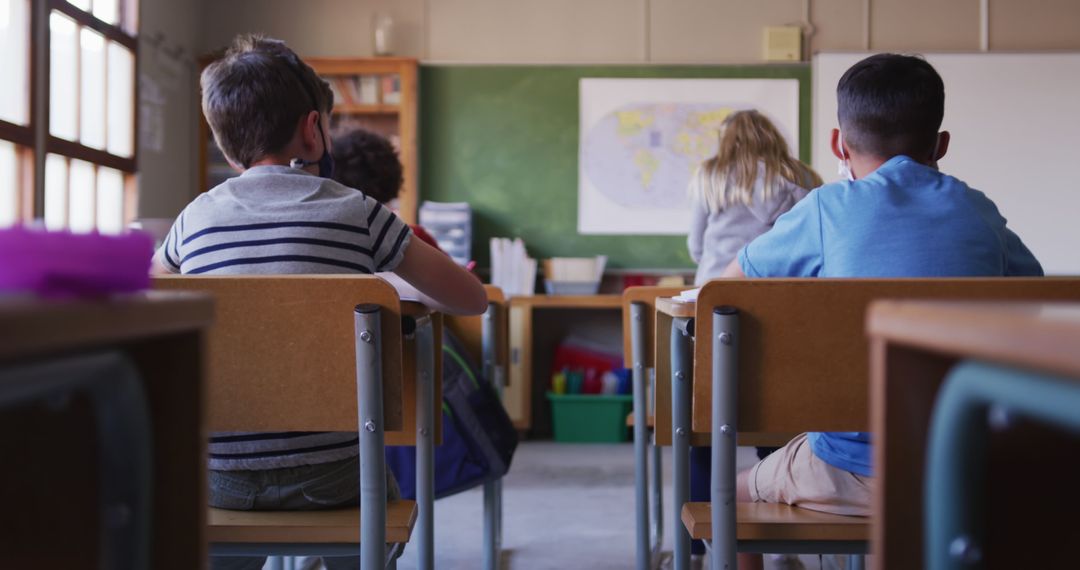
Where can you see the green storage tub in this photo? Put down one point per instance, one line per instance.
(590, 418)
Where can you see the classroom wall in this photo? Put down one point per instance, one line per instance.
(553, 32)
(169, 42)
(640, 31)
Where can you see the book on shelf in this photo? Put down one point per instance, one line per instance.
(340, 95)
(391, 89)
(368, 89)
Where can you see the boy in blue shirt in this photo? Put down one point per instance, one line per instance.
(895, 215)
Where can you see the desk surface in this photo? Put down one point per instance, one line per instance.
(1036, 335)
(31, 326)
(676, 309)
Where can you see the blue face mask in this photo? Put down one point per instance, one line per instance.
(325, 162)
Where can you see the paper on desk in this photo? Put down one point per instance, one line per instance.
(688, 296)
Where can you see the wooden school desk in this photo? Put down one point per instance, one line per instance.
(537, 323)
(53, 517)
(1030, 480)
(802, 355)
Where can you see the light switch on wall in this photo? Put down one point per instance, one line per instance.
(783, 43)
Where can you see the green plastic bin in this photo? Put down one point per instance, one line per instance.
(590, 418)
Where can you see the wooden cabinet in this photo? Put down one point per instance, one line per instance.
(52, 451)
(377, 94)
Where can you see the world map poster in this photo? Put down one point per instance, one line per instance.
(641, 140)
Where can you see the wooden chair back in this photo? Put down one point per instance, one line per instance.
(803, 352)
(282, 351)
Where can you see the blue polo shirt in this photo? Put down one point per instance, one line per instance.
(903, 220)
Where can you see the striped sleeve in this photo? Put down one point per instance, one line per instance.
(389, 236)
(168, 255)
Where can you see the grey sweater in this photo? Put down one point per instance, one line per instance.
(716, 237)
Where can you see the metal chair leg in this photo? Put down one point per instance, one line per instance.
(682, 370)
(724, 421)
(657, 482)
(641, 436)
(492, 489)
(369, 395)
(425, 447)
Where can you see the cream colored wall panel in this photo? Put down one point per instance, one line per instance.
(551, 31)
(924, 25)
(168, 122)
(317, 28)
(712, 31)
(1018, 25)
(838, 25)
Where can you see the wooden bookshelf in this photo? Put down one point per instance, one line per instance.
(388, 108)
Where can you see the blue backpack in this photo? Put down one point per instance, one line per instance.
(478, 436)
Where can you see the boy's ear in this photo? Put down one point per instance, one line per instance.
(309, 131)
(836, 146)
(942, 146)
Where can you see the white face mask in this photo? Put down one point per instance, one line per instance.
(844, 167)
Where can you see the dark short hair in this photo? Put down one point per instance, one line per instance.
(891, 104)
(368, 162)
(254, 96)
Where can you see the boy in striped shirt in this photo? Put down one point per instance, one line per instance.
(269, 113)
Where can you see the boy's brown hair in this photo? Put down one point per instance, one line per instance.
(255, 95)
(368, 162)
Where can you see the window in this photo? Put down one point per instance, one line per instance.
(67, 127)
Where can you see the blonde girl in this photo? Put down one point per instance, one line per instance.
(738, 194)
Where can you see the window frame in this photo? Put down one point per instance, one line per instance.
(34, 142)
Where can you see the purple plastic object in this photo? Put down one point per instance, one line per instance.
(62, 264)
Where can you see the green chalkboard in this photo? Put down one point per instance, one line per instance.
(505, 139)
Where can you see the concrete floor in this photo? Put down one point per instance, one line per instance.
(566, 506)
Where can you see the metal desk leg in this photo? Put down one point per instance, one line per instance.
(369, 394)
(641, 435)
(492, 489)
(725, 390)
(425, 447)
(682, 371)
(954, 516)
(657, 487)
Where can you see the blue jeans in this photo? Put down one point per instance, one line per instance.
(304, 488)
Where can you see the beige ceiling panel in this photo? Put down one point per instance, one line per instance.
(924, 25)
(335, 28)
(551, 31)
(838, 25)
(1021, 25)
(715, 31)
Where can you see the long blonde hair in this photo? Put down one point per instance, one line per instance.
(748, 140)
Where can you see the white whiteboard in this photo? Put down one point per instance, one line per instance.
(1015, 125)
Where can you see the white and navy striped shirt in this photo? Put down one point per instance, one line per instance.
(282, 220)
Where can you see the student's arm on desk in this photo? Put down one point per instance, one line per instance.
(441, 283)
(409, 293)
